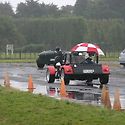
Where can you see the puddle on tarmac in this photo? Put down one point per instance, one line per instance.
(75, 96)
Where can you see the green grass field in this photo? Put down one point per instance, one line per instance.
(23, 108)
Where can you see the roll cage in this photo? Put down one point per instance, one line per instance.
(79, 57)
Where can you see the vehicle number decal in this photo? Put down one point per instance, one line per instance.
(88, 71)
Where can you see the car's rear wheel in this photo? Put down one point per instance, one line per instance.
(39, 63)
(49, 77)
(64, 76)
(104, 79)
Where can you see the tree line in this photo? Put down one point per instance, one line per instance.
(90, 9)
(100, 9)
(37, 26)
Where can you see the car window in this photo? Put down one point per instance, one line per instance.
(78, 58)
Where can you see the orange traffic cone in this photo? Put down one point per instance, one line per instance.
(103, 94)
(105, 99)
(107, 102)
(117, 104)
(30, 84)
(6, 80)
(63, 92)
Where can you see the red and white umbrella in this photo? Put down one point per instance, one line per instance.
(88, 47)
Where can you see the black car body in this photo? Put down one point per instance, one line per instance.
(49, 58)
(46, 58)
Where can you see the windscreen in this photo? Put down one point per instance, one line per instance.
(80, 57)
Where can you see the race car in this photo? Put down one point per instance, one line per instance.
(77, 67)
(46, 58)
(49, 57)
(122, 58)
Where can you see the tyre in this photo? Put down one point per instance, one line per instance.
(89, 82)
(39, 65)
(64, 76)
(49, 78)
(104, 79)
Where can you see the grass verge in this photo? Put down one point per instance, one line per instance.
(23, 108)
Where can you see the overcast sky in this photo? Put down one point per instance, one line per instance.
(56, 2)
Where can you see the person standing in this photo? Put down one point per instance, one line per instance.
(59, 57)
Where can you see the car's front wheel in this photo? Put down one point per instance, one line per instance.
(49, 77)
(64, 76)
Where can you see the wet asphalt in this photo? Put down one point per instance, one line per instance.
(19, 72)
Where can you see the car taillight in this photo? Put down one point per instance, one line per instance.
(68, 70)
(105, 69)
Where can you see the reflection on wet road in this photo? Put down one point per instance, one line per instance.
(20, 72)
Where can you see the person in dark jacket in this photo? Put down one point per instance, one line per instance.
(59, 57)
(58, 61)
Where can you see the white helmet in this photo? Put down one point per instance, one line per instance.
(58, 64)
